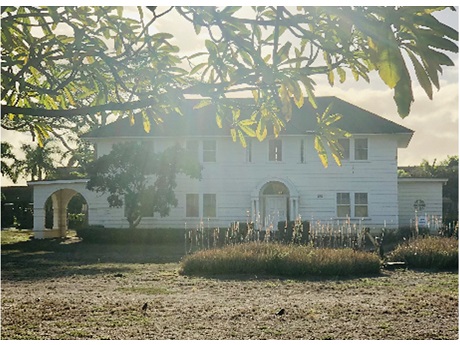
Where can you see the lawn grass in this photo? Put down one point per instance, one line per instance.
(15, 236)
(69, 289)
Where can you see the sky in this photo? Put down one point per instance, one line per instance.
(435, 122)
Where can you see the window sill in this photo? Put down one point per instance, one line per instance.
(353, 219)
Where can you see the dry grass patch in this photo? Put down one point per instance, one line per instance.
(280, 259)
(429, 252)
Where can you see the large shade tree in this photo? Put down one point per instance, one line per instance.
(135, 177)
(66, 62)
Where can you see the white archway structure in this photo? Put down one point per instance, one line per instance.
(284, 191)
(61, 192)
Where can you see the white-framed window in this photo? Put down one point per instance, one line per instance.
(275, 150)
(345, 146)
(361, 149)
(209, 206)
(343, 205)
(352, 205)
(361, 205)
(192, 206)
(209, 150)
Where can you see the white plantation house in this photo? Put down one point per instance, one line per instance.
(274, 180)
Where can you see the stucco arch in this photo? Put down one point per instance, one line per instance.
(60, 192)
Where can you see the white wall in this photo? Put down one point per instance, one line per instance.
(233, 180)
(412, 189)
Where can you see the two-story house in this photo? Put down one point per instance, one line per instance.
(273, 180)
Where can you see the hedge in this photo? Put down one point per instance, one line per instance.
(100, 234)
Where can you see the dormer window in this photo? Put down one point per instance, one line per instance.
(275, 150)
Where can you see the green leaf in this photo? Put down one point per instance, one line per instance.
(388, 67)
(211, 47)
(322, 154)
(422, 76)
(403, 95)
(219, 120)
(198, 67)
(146, 122)
(229, 10)
(197, 28)
(255, 95)
(236, 114)
(161, 36)
(233, 133)
(203, 103)
(242, 139)
(261, 132)
(342, 74)
(248, 130)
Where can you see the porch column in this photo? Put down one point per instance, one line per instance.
(293, 208)
(39, 219)
(255, 211)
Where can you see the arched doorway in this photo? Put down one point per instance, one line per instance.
(62, 204)
(274, 201)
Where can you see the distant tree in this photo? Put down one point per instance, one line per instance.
(39, 161)
(133, 176)
(449, 169)
(9, 162)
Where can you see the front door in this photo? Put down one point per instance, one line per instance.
(275, 210)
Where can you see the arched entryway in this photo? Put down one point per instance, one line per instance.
(76, 211)
(274, 200)
(52, 202)
(57, 210)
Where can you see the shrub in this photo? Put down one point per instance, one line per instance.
(99, 234)
(428, 252)
(280, 259)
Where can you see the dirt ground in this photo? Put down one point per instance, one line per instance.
(72, 290)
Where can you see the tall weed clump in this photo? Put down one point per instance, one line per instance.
(428, 252)
(268, 258)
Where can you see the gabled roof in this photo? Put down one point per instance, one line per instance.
(202, 122)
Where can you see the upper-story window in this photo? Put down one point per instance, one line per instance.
(209, 150)
(345, 146)
(361, 149)
(275, 150)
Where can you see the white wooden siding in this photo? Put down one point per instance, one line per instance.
(412, 189)
(233, 180)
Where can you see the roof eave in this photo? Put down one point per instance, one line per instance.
(404, 139)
